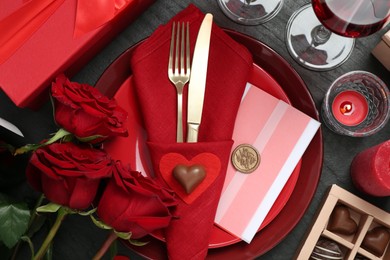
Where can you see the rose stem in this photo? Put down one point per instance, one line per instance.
(62, 212)
(110, 239)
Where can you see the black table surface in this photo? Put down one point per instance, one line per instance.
(79, 239)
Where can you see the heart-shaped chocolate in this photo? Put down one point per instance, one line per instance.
(189, 177)
(376, 240)
(340, 221)
(210, 163)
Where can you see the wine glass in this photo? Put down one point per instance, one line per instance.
(250, 12)
(320, 35)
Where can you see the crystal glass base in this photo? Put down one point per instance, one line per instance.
(250, 12)
(312, 45)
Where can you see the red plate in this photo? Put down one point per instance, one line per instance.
(286, 212)
(133, 150)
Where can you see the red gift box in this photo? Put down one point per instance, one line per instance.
(53, 48)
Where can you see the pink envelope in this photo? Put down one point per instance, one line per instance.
(281, 134)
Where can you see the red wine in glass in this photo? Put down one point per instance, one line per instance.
(353, 18)
(321, 35)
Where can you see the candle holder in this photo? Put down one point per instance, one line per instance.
(356, 104)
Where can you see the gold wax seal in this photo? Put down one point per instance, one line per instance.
(245, 158)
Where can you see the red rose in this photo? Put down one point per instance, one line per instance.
(82, 110)
(134, 203)
(68, 174)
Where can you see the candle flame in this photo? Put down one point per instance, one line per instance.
(346, 107)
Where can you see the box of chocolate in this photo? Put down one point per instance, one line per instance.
(382, 50)
(347, 227)
(41, 39)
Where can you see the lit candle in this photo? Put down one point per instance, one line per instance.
(370, 170)
(350, 108)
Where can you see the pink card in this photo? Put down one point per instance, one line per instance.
(281, 134)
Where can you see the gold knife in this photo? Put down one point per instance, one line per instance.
(197, 85)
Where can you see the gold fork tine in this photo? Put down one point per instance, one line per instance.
(182, 49)
(188, 50)
(171, 50)
(177, 49)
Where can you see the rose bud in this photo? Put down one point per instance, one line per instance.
(68, 174)
(84, 111)
(134, 203)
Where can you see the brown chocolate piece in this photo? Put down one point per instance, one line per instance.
(326, 249)
(340, 221)
(189, 176)
(376, 240)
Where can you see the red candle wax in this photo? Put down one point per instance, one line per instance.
(370, 170)
(350, 108)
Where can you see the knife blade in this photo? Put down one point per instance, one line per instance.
(11, 134)
(10, 127)
(197, 84)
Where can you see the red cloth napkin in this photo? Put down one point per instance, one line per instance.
(229, 66)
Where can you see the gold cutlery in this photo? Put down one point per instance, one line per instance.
(197, 85)
(179, 71)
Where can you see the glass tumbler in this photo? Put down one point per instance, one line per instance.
(356, 104)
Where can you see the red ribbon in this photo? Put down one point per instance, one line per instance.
(20, 25)
(92, 14)
(17, 27)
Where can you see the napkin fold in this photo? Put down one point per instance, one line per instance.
(229, 66)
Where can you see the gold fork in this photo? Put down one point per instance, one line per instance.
(179, 41)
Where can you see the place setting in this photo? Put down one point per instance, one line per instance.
(215, 128)
(267, 77)
(124, 83)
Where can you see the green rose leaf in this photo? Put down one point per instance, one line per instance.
(137, 243)
(61, 134)
(14, 218)
(123, 235)
(99, 223)
(50, 207)
(87, 213)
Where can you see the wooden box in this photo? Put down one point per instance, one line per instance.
(382, 50)
(353, 246)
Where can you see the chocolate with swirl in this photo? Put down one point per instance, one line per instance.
(326, 249)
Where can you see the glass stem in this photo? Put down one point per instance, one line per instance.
(320, 35)
(246, 3)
